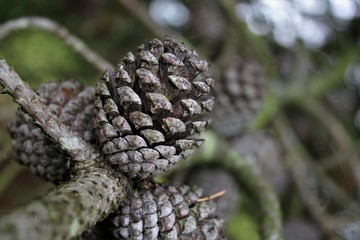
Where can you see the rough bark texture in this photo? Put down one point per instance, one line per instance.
(76, 147)
(67, 211)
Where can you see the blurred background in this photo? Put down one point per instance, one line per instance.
(287, 92)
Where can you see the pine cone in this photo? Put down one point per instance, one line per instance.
(239, 97)
(157, 211)
(266, 160)
(72, 104)
(148, 106)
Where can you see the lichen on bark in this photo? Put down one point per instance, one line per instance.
(68, 210)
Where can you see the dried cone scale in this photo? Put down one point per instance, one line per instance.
(72, 104)
(157, 211)
(148, 107)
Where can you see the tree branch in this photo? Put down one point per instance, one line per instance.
(256, 46)
(48, 25)
(299, 170)
(68, 210)
(254, 183)
(261, 191)
(77, 148)
(337, 131)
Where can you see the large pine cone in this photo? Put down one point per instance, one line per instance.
(149, 105)
(239, 97)
(165, 212)
(72, 104)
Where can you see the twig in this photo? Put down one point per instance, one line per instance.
(252, 181)
(139, 10)
(263, 194)
(299, 171)
(334, 77)
(249, 179)
(338, 194)
(76, 147)
(256, 46)
(49, 25)
(336, 129)
(70, 209)
(216, 195)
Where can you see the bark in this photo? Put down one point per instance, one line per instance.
(68, 210)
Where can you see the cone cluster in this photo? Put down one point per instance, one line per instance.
(143, 114)
(143, 118)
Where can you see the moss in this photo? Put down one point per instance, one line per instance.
(90, 210)
(243, 226)
(70, 143)
(54, 217)
(74, 228)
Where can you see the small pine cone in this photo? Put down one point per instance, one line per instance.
(266, 159)
(239, 97)
(72, 104)
(148, 106)
(165, 212)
